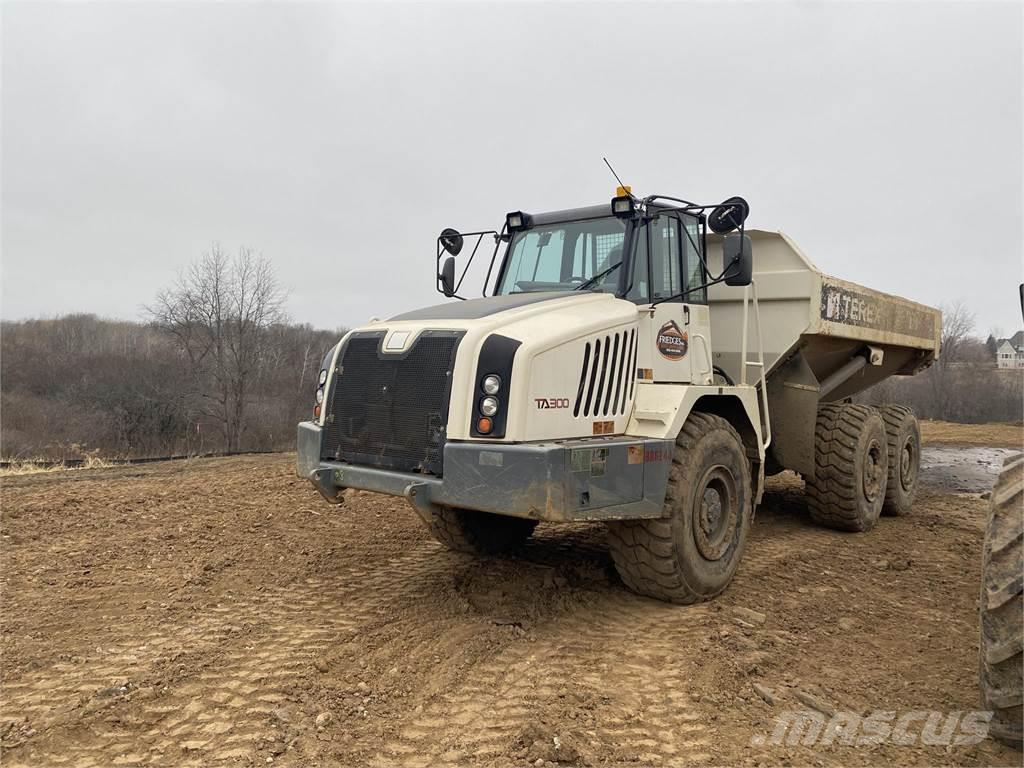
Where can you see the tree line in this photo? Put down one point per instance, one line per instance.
(216, 366)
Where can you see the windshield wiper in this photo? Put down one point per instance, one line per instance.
(598, 276)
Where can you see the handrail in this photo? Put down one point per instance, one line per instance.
(750, 292)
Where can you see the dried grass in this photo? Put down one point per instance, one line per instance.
(39, 466)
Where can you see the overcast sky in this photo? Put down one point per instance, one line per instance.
(885, 138)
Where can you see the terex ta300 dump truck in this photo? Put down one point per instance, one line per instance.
(632, 364)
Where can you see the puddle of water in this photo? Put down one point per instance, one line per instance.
(962, 469)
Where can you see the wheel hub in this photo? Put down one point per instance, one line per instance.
(715, 512)
(873, 476)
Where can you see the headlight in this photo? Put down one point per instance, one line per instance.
(319, 396)
(323, 378)
(489, 406)
(491, 384)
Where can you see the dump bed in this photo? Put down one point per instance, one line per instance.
(826, 319)
(816, 331)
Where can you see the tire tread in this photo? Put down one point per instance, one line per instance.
(477, 533)
(1001, 606)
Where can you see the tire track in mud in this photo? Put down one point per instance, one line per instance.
(231, 667)
(628, 696)
(617, 667)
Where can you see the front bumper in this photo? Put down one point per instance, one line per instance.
(613, 478)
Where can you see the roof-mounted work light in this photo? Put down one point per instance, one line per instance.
(516, 221)
(623, 206)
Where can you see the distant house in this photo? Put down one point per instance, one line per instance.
(1010, 352)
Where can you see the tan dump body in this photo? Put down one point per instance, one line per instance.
(812, 326)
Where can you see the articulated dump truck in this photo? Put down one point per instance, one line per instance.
(644, 363)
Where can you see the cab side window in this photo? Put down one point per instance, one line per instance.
(667, 261)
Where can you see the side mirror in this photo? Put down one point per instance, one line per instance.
(738, 260)
(729, 215)
(451, 240)
(447, 276)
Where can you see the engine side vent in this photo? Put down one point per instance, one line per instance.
(606, 375)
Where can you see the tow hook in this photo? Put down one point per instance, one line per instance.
(418, 495)
(321, 479)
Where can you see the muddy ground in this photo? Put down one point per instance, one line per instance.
(216, 612)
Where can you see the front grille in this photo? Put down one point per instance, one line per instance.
(392, 410)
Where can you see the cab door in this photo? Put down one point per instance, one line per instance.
(666, 316)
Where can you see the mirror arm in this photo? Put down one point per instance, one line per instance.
(441, 250)
(469, 261)
(499, 238)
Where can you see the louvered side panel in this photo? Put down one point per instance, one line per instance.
(607, 375)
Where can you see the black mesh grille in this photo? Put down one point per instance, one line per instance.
(392, 410)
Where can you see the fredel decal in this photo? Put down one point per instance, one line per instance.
(673, 343)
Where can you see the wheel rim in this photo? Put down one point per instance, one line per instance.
(908, 464)
(873, 473)
(715, 512)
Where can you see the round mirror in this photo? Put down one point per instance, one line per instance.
(729, 215)
(451, 240)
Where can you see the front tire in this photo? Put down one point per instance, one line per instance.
(692, 553)
(477, 533)
(1001, 606)
(850, 467)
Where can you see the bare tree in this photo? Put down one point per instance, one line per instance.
(957, 326)
(219, 312)
(957, 330)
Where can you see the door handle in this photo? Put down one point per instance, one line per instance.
(686, 314)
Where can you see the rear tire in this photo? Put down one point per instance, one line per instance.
(850, 467)
(477, 533)
(1001, 606)
(693, 552)
(903, 439)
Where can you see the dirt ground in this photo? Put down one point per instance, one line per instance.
(217, 612)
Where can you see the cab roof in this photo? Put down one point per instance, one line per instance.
(586, 212)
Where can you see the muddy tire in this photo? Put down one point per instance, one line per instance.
(1001, 606)
(903, 440)
(477, 533)
(692, 553)
(850, 467)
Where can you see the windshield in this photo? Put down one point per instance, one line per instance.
(564, 256)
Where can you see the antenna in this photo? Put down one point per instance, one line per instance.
(616, 175)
